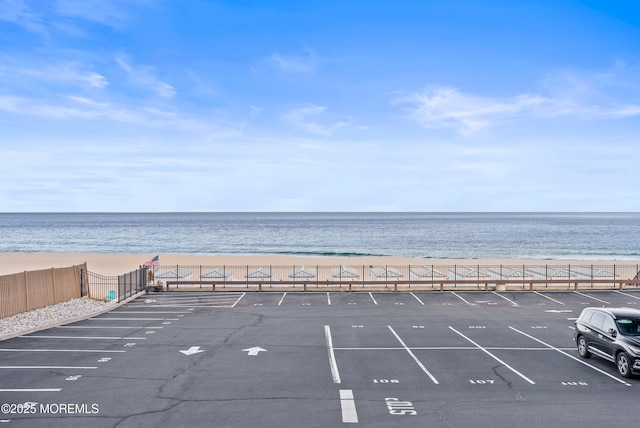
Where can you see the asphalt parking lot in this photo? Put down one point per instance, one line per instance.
(436, 359)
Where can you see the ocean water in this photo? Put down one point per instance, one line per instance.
(607, 236)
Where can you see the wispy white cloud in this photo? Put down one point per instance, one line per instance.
(68, 73)
(293, 63)
(105, 12)
(143, 76)
(75, 107)
(311, 118)
(19, 13)
(596, 96)
(446, 107)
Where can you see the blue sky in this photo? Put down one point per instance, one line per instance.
(457, 105)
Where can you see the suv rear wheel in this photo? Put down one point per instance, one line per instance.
(582, 348)
(623, 364)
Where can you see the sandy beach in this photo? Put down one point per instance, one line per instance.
(115, 264)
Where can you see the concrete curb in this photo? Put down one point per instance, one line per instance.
(104, 310)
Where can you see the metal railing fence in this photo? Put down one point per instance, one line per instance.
(115, 288)
(309, 277)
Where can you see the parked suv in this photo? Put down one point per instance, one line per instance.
(612, 334)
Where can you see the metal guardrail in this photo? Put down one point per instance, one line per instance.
(393, 277)
(441, 285)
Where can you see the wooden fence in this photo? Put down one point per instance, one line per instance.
(21, 292)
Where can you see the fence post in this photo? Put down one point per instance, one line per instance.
(26, 291)
(85, 278)
(75, 277)
(53, 286)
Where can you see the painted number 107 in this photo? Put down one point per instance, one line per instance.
(482, 381)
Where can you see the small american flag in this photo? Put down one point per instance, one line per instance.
(153, 262)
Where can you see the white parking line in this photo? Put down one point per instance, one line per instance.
(348, 405)
(459, 297)
(374, 300)
(406, 348)
(328, 299)
(101, 326)
(239, 298)
(335, 374)
(591, 297)
(570, 356)
(281, 300)
(494, 357)
(83, 337)
(627, 294)
(508, 300)
(103, 318)
(150, 312)
(47, 367)
(417, 298)
(32, 390)
(59, 350)
(547, 297)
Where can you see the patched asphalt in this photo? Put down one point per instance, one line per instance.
(316, 359)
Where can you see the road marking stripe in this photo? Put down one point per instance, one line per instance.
(570, 356)
(149, 312)
(547, 297)
(424, 369)
(103, 318)
(417, 298)
(494, 357)
(374, 300)
(281, 300)
(83, 337)
(32, 390)
(348, 404)
(627, 294)
(591, 297)
(48, 367)
(59, 350)
(239, 298)
(460, 297)
(100, 326)
(335, 374)
(328, 298)
(508, 300)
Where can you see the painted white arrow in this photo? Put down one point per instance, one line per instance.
(192, 350)
(254, 350)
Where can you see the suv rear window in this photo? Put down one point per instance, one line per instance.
(597, 320)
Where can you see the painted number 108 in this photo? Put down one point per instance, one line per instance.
(386, 381)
